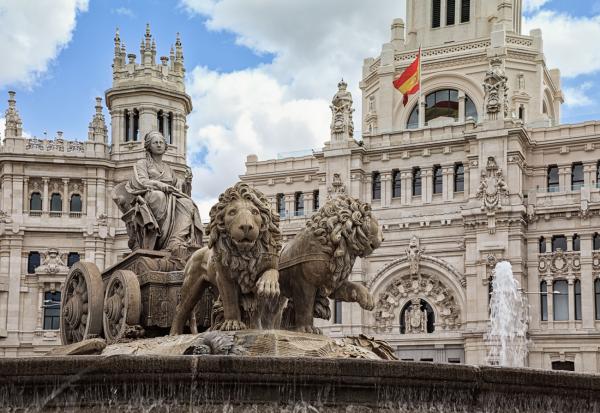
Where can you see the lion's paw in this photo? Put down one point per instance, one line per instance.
(268, 284)
(309, 329)
(367, 302)
(232, 325)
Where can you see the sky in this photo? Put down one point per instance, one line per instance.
(261, 73)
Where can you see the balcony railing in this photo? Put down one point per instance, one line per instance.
(55, 214)
(35, 213)
(75, 214)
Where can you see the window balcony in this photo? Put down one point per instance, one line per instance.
(55, 214)
(74, 214)
(35, 213)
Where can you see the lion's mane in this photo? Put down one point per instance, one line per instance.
(342, 226)
(244, 265)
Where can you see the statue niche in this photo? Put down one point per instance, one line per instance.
(417, 317)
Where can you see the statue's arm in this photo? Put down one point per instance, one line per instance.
(140, 172)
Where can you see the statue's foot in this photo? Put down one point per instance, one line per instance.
(232, 325)
(309, 330)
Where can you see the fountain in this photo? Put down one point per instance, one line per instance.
(507, 335)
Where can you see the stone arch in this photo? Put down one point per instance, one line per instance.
(437, 282)
(436, 82)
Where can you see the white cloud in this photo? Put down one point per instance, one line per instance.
(32, 33)
(123, 11)
(533, 5)
(281, 106)
(577, 96)
(560, 33)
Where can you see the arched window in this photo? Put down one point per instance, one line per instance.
(376, 186)
(596, 241)
(33, 261)
(424, 307)
(416, 181)
(75, 204)
(396, 184)
(552, 178)
(459, 178)
(436, 13)
(281, 205)
(465, 11)
(51, 310)
(470, 109)
(438, 180)
(35, 202)
(442, 103)
(413, 120)
(55, 203)
(577, 287)
(542, 245)
(72, 258)
(576, 242)
(165, 125)
(576, 176)
(559, 241)
(597, 297)
(560, 300)
(299, 204)
(544, 300)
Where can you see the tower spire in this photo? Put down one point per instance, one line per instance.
(118, 58)
(13, 126)
(97, 130)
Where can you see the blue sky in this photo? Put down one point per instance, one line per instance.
(261, 73)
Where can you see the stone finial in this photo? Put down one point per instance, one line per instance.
(13, 126)
(97, 130)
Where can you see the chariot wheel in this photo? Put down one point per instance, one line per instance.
(122, 304)
(81, 303)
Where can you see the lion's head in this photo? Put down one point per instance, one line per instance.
(242, 228)
(346, 229)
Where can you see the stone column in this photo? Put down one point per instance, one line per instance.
(422, 112)
(589, 170)
(571, 281)
(118, 128)
(569, 242)
(550, 288)
(131, 130)
(289, 204)
(40, 310)
(406, 187)
(65, 200)
(564, 178)
(45, 203)
(25, 194)
(386, 194)
(426, 185)
(448, 182)
(165, 127)
(461, 102)
(100, 196)
(549, 244)
(147, 120)
(587, 283)
(17, 195)
(308, 203)
(368, 189)
(84, 202)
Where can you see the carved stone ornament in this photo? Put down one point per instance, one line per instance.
(560, 262)
(53, 262)
(492, 191)
(341, 112)
(336, 188)
(585, 211)
(4, 217)
(413, 254)
(496, 90)
(415, 319)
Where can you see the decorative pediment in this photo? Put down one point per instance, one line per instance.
(53, 262)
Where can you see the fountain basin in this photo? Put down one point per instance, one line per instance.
(262, 384)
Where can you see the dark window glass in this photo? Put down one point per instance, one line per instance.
(436, 13)
(450, 12)
(459, 178)
(552, 178)
(72, 258)
(33, 261)
(424, 307)
(563, 365)
(596, 241)
(559, 241)
(454, 361)
(56, 203)
(75, 205)
(521, 113)
(170, 128)
(465, 11)
(337, 312)
(281, 205)
(544, 300)
(598, 174)
(443, 103)
(576, 243)
(470, 109)
(136, 124)
(576, 176)
(597, 296)
(396, 184)
(542, 245)
(577, 287)
(438, 179)
(560, 300)
(51, 310)
(127, 120)
(376, 186)
(316, 200)
(416, 181)
(299, 203)
(159, 121)
(35, 203)
(413, 120)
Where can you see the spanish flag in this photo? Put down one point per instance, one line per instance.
(409, 82)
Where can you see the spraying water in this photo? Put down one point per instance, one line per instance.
(507, 335)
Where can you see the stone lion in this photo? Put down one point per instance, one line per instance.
(241, 260)
(316, 264)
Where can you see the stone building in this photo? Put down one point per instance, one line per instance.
(56, 206)
(475, 170)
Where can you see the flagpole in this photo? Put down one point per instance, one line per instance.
(420, 83)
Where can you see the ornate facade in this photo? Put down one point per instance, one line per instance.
(475, 170)
(56, 205)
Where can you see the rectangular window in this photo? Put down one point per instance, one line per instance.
(51, 310)
(454, 361)
(396, 184)
(72, 258)
(552, 180)
(459, 178)
(563, 365)
(299, 204)
(576, 176)
(438, 179)
(559, 241)
(436, 13)
(337, 312)
(596, 241)
(281, 205)
(542, 245)
(597, 297)
(560, 300)
(33, 261)
(465, 11)
(576, 243)
(376, 186)
(316, 200)
(577, 287)
(544, 300)
(450, 12)
(416, 181)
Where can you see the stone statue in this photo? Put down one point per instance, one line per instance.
(158, 214)
(241, 259)
(496, 90)
(337, 187)
(492, 187)
(413, 253)
(415, 319)
(317, 263)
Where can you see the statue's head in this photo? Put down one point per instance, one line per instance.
(155, 143)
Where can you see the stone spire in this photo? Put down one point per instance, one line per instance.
(342, 126)
(118, 58)
(97, 130)
(14, 126)
(179, 55)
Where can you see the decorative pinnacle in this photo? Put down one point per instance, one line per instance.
(148, 35)
(98, 104)
(342, 85)
(11, 98)
(117, 37)
(178, 40)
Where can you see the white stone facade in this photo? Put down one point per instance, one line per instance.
(145, 95)
(481, 174)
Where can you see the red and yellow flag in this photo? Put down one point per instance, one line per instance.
(409, 82)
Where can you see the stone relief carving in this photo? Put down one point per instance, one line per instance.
(415, 319)
(337, 187)
(559, 262)
(584, 209)
(496, 90)
(341, 111)
(53, 262)
(492, 191)
(4, 217)
(413, 253)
